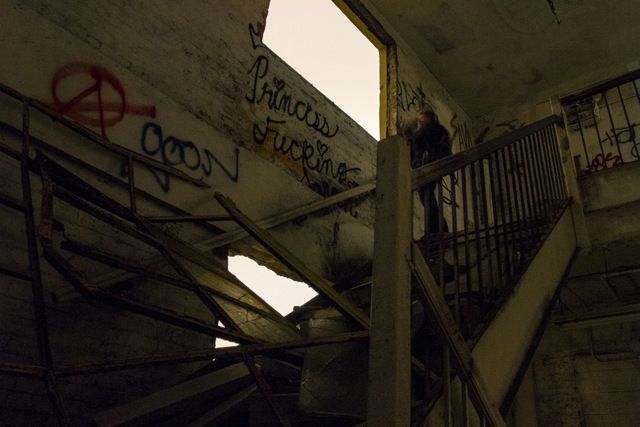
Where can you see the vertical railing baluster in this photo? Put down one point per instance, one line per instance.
(517, 202)
(441, 260)
(485, 211)
(635, 152)
(476, 231)
(550, 169)
(584, 143)
(552, 159)
(446, 382)
(558, 162)
(524, 182)
(464, 397)
(496, 222)
(467, 252)
(454, 243)
(595, 124)
(512, 231)
(613, 126)
(504, 197)
(425, 194)
(557, 166)
(635, 89)
(626, 117)
(542, 176)
(532, 178)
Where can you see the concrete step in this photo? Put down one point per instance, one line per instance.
(615, 223)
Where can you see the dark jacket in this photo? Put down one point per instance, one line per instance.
(428, 144)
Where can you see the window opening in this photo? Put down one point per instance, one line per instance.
(324, 46)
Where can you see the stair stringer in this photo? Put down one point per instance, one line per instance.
(501, 349)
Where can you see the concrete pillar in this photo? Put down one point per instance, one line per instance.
(389, 399)
(571, 176)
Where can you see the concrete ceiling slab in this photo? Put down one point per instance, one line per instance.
(497, 54)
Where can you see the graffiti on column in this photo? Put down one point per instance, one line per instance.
(101, 102)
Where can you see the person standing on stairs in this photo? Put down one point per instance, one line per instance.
(429, 142)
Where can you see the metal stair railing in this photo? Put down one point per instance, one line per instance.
(503, 198)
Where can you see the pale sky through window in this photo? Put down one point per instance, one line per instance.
(320, 43)
(280, 292)
(326, 48)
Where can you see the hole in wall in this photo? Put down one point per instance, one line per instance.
(279, 292)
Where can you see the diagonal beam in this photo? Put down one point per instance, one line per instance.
(289, 215)
(264, 388)
(194, 356)
(60, 264)
(112, 260)
(318, 283)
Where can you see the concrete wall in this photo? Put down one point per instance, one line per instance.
(524, 410)
(611, 187)
(611, 203)
(575, 389)
(198, 85)
(196, 91)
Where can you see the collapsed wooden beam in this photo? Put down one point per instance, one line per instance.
(76, 279)
(166, 404)
(439, 310)
(319, 284)
(204, 355)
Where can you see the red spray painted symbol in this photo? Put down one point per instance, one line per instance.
(89, 106)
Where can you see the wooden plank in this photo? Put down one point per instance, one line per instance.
(223, 410)
(122, 263)
(229, 237)
(151, 409)
(436, 304)
(18, 274)
(75, 278)
(12, 202)
(286, 216)
(263, 385)
(204, 355)
(27, 371)
(439, 310)
(188, 218)
(99, 140)
(318, 283)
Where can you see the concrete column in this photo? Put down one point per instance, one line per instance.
(389, 399)
(571, 176)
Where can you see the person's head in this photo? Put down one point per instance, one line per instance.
(426, 117)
